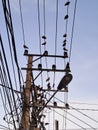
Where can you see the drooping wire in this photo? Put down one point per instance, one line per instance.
(8, 76)
(22, 23)
(81, 120)
(56, 35)
(56, 30)
(4, 106)
(84, 114)
(66, 28)
(72, 108)
(7, 93)
(70, 120)
(65, 113)
(45, 43)
(8, 20)
(70, 51)
(39, 29)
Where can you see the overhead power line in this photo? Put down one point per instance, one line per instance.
(73, 24)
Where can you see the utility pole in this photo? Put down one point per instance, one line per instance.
(25, 120)
(35, 101)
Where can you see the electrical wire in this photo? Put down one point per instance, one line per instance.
(66, 28)
(39, 29)
(81, 120)
(84, 114)
(56, 30)
(9, 78)
(72, 108)
(44, 17)
(70, 51)
(70, 120)
(9, 25)
(4, 106)
(22, 23)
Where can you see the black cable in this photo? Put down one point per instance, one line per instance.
(81, 120)
(4, 127)
(70, 120)
(75, 109)
(39, 36)
(8, 76)
(82, 103)
(9, 25)
(56, 34)
(44, 16)
(56, 31)
(4, 106)
(22, 23)
(66, 28)
(9, 98)
(39, 28)
(84, 114)
(70, 51)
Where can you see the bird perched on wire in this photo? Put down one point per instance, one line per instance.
(25, 46)
(44, 43)
(67, 3)
(65, 35)
(66, 16)
(44, 37)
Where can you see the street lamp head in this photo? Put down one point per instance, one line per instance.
(65, 81)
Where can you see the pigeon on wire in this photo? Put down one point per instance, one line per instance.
(25, 46)
(44, 37)
(67, 3)
(65, 35)
(44, 43)
(66, 16)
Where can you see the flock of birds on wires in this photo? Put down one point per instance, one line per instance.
(12, 97)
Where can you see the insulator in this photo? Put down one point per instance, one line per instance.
(65, 54)
(65, 35)
(25, 52)
(54, 67)
(44, 37)
(67, 69)
(55, 103)
(67, 3)
(66, 17)
(39, 66)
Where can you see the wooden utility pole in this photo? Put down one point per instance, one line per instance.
(25, 120)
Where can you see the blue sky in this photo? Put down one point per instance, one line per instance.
(84, 58)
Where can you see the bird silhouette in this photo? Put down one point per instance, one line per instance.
(48, 79)
(44, 37)
(65, 35)
(25, 46)
(66, 16)
(64, 44)
(67, 3)
(44, 43)
(65, 49)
